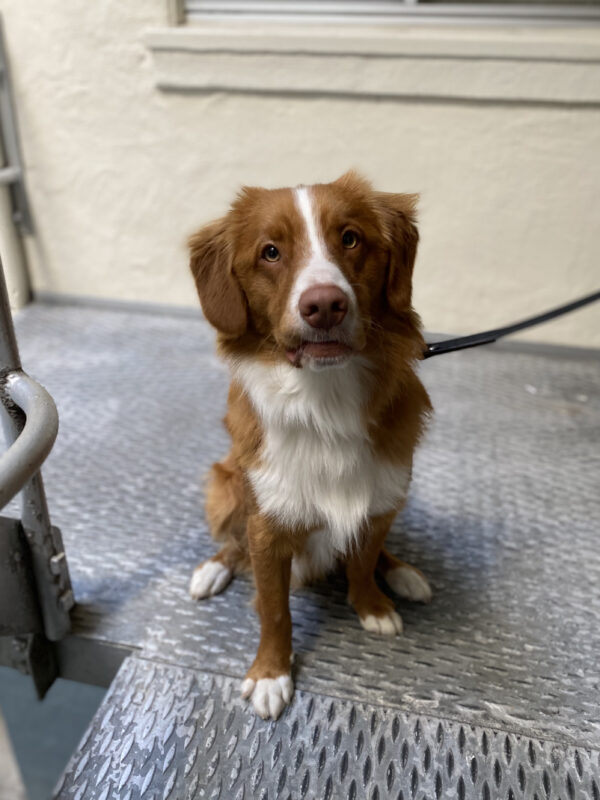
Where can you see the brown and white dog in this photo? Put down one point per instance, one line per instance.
(310, 292)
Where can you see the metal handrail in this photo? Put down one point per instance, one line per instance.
(11, 174)
(27, 453)
(30, 421)
(34, 578)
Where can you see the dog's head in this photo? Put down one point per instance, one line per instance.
(312, 272)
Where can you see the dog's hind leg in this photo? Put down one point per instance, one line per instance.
(214, 575)
(226, 515)
(403, 579)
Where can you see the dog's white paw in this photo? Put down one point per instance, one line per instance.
(209, 578)
(269, 696)
(389, 624)
(409, 583)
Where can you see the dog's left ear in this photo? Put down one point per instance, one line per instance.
(398, 212)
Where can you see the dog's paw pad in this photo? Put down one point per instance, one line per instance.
(409, 583)
(389, 624)
(209, 578)
(269, 695)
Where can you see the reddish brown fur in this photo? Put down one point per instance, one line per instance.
(245, 298)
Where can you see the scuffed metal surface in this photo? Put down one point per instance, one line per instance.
(503, 518)
(168, 732)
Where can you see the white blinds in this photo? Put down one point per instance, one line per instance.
(390, 10)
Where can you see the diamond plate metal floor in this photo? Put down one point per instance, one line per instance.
(504, 518)
(169, 732)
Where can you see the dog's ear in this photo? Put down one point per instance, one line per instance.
(221, 296)
(352, 181)
(398, 214)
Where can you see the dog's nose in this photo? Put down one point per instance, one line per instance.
(323, 306)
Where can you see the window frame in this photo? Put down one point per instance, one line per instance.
(386, 11)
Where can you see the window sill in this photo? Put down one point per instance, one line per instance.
(515, 65)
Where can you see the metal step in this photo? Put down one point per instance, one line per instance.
(503, 518)
(169, 732)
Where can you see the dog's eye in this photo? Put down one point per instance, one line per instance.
(349, 239)
(271, 253)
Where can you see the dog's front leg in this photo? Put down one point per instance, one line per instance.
(269, 681)
(375, 611)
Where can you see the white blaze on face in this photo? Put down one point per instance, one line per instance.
(319, 269)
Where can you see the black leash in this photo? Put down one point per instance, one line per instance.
(487, 337)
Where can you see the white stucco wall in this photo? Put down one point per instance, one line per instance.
(504, 151)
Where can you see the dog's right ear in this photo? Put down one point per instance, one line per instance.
(221, 296)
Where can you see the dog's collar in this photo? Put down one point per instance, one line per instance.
(487, 337)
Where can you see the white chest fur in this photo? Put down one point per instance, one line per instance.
(317, 466)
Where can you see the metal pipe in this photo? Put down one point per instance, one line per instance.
(29, 450)
(15, 216)
(10, 360)
(9, 175)
(10, 139)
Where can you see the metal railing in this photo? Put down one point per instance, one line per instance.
(35, 588)
(12, 173)
(29, 450)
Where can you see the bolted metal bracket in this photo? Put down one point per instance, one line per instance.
(23, 641)
(19, 606)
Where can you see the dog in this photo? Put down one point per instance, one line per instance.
(309, 289)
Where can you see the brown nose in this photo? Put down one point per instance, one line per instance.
(323, 306)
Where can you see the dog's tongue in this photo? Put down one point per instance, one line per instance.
(317, 350)
(325, 349)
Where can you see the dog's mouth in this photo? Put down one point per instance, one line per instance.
(329, 350)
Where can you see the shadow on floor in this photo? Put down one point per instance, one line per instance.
(44, 734)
